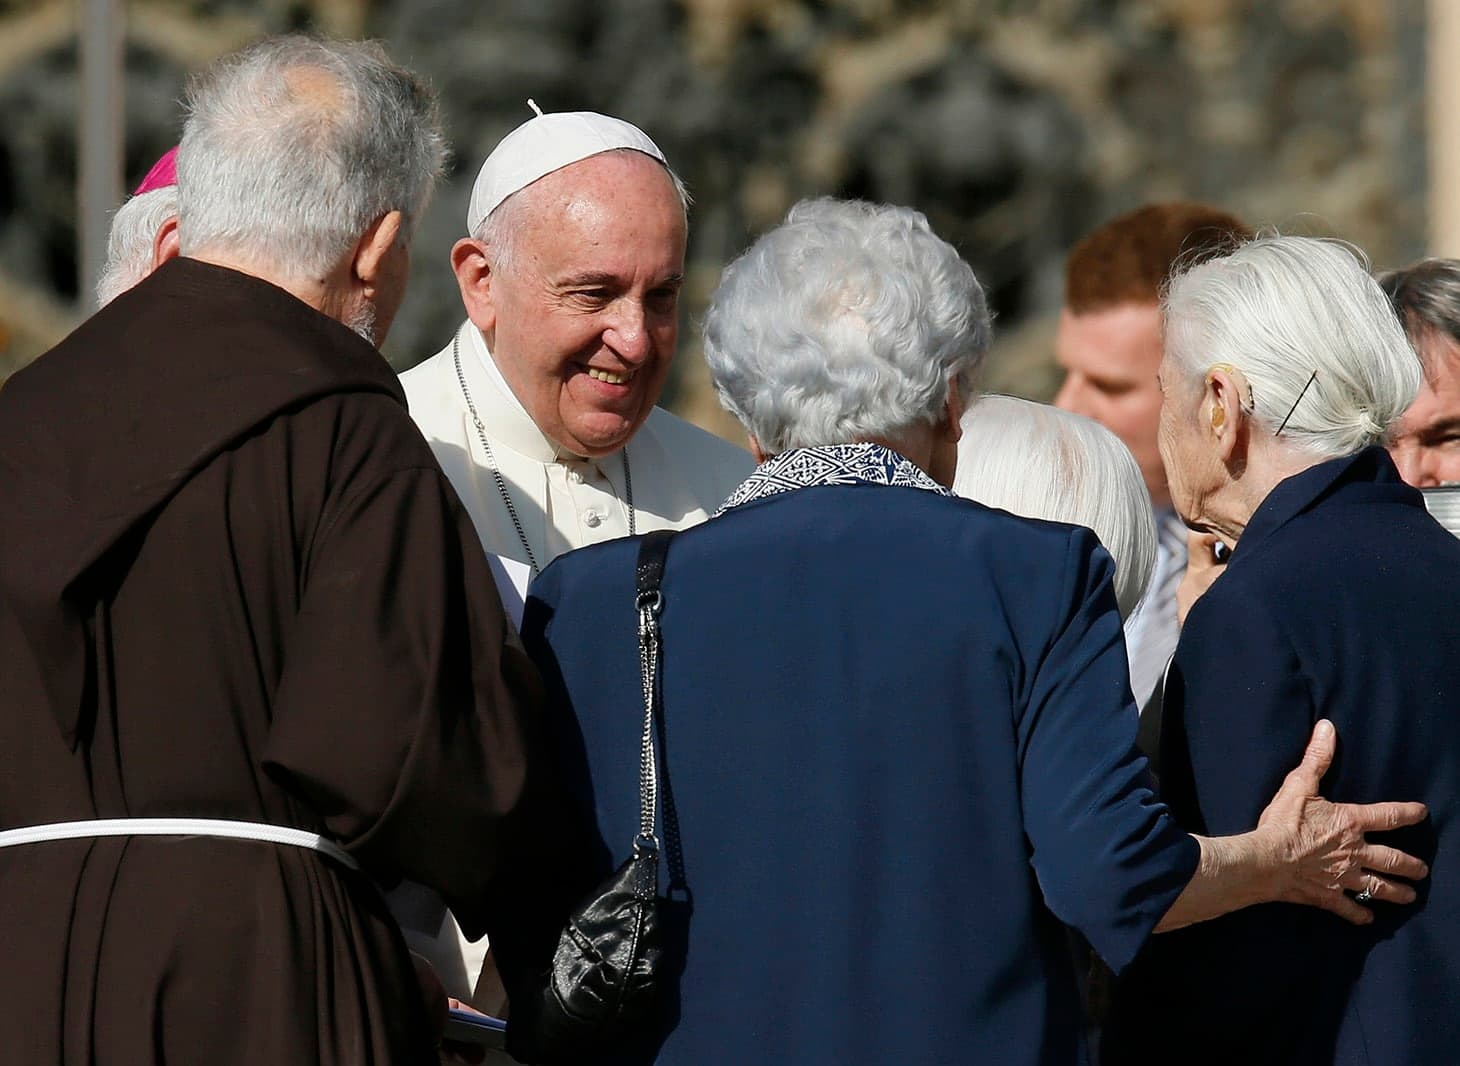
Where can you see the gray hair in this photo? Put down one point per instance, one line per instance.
(1426, 297)
(1035, 460)
(295, 146)
(845, 323)
(1296, 314)
(131, 240)
(499, 230)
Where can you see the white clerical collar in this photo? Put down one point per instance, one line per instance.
(502, 412)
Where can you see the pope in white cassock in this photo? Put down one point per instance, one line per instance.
(541, 409)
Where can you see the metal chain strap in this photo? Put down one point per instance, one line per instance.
(629, 489)
(497, 478)
(649, 606)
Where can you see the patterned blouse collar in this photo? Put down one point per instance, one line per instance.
(832, 464)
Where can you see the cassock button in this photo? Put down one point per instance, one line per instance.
(593, 519)
(575, 477)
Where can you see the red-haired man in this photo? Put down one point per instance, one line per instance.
(1109, 344)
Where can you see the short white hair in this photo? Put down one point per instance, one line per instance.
(1035, 460)
(500, 230)
(844, 323)
(132, 240)
(295, 146)
(1296, 313)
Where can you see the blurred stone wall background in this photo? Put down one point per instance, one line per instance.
(1016, 125)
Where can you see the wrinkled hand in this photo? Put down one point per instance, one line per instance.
(1320, 848)
(1202, 568)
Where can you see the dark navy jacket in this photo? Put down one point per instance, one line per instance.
(900, 742)
(1340, 602)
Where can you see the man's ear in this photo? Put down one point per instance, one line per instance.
(474, 278)
(165, 243)
(373, 247)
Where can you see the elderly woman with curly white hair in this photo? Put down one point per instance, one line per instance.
(1284, 370)
(896, 748)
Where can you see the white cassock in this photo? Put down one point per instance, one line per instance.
(680, 473)
(680, 476)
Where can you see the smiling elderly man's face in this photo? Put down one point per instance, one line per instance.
(584, 321)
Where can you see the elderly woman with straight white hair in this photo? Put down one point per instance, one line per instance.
(897, 735)
(1038, 461)
(1284, 370)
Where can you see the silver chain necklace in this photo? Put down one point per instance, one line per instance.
(497, 474)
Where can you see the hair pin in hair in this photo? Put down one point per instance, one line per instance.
(1311, 378)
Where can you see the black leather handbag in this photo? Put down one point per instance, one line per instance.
(609, 971)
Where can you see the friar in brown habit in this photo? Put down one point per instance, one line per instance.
(235, 585)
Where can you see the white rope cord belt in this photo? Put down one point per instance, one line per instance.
(177, 827)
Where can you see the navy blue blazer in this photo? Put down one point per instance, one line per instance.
(900, 744)
(1338, 602)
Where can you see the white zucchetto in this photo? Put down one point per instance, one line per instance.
(543, 144)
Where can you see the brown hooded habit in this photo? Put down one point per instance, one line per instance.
(235, 584)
